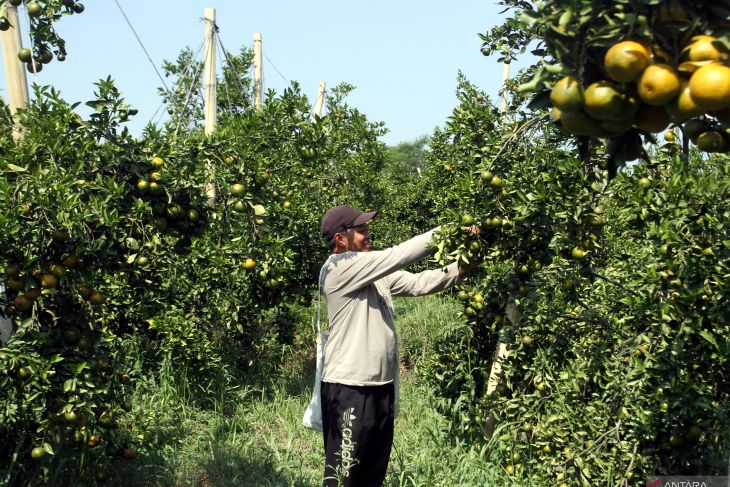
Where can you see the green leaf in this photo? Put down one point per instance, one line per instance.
(707, 335)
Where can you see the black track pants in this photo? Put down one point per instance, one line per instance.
(358, 433)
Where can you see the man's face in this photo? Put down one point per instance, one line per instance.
(355, 239)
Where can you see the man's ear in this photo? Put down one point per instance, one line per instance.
(339, 241)
(342, 241)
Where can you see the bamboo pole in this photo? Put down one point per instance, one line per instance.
(512, 313)
(14, 68)
(209, 76)
(209, 82)
(505, 78)
(258, 81)
(320, 99)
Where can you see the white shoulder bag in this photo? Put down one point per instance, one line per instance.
(313, 414)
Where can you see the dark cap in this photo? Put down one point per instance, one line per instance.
(340, 218)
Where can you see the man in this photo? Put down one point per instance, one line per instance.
(361, 354)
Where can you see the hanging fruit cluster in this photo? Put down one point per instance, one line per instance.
(638, 67)
(45, 41)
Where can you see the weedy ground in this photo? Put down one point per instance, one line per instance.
(252, 435)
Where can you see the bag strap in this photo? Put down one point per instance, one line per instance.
(319, 296)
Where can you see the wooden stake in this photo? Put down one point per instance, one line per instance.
(320, 99)
(210, 87)
(14, 68)
(258, 78)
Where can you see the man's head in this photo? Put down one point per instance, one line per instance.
(344, 228)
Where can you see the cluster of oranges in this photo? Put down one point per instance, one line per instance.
(643, 90)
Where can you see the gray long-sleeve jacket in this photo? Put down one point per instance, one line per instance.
(362, 345)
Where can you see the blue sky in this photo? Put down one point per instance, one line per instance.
(402, 56)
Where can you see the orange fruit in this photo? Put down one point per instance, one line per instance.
(157, 162)
(49, 281)
(37, 453)
(601, 100)
(23, 303)
(693, 128)
(555, 115)
(629, 107)
(617, 126)
(25, 55)
(34, 293)
(652, 119)
(237, 189)
(578, 123)
(673, 11)
(567, 94)
(625, 61)
(578, 253)
(711, 141)
(659, 84)
(702, 48)
(684, 107)
(709, 87)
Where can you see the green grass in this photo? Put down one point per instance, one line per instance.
(252, 435)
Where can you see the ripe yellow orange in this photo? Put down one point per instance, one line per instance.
(684, 107)
(249, 264)
(601, 100)
(567, 94)
(625, 61)
(554, 116)
(652, 119)
(703, 48)
(659, 84)
(711, 141)
(157, 162)
(709, 87)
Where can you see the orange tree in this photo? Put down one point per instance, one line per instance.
(618, 366)
(73, 228)
(115, 259)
